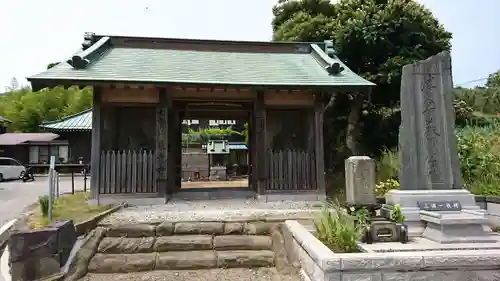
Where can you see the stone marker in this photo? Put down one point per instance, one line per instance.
(427, 141)
(429, 169)
(360, 180)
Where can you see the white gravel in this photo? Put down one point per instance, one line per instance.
(213, 210)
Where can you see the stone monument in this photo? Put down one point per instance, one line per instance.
(360, 180)
(430, 170)
(360, 193)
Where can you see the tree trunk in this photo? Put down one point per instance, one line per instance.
(353, 126)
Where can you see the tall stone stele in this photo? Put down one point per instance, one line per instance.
(430, 169)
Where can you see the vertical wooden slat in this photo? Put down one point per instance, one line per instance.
(144, 183)
(108, 164)
(139, 172)
(123, 172)
(299, 158)
(154, 176)
(282, 175)
(116, 174)
(113, 183)
(128, 174)
(134, 172)
(151, 185)
(270, 158)
(312, 172)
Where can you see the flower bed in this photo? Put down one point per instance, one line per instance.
(319, 262)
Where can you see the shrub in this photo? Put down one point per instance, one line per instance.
(383, 187)
(388, 166)
(479, 152)
(479, 155)
(43, 201)
(397, 214)
(337, 229)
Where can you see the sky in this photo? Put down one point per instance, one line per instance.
(35, 33)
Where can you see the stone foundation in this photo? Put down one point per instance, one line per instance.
(408, 200)
(319, 263)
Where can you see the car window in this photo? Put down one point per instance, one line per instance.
(4, 162)
(14, 162)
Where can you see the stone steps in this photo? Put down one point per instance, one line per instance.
(180, 260)
(190, 228)
(125, 245)
(184, 245)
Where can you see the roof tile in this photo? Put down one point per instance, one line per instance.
(157, 65)
(81, 121)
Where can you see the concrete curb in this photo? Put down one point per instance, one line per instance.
(4, 259)
(85, 227)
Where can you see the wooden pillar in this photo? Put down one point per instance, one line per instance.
(95, 154)
(178, 153)
(161, 151)
(250, 151)
(319, 109)
(174, 147)
(259, 172)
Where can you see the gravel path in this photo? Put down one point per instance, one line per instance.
(233, 274)
(213, 210)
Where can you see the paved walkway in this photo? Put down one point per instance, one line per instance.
(16, 196)
(214, 210)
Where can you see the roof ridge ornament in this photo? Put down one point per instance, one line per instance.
(90, 49)
(334, 68)
(329, 50)
(88, 40)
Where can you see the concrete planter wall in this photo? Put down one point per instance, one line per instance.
(319, 263)
(489, 203)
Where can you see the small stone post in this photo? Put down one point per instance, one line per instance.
(360, 180)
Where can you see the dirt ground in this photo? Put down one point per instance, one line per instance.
(233, 274)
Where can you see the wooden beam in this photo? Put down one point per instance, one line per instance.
(95, 155)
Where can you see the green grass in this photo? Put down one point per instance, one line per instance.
(68, 207)
(337, 229)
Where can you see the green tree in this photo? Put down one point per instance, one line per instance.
(493, 80)
(375, 38)
(27, 109)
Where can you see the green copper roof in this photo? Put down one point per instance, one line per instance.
(77, 122)
(3, 119)
(109, 59)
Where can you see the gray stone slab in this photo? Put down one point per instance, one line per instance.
(428, 145)
(419, 244)
(409, 199)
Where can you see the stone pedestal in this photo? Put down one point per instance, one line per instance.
(408, 200)
(218, 173)
(456, 227)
